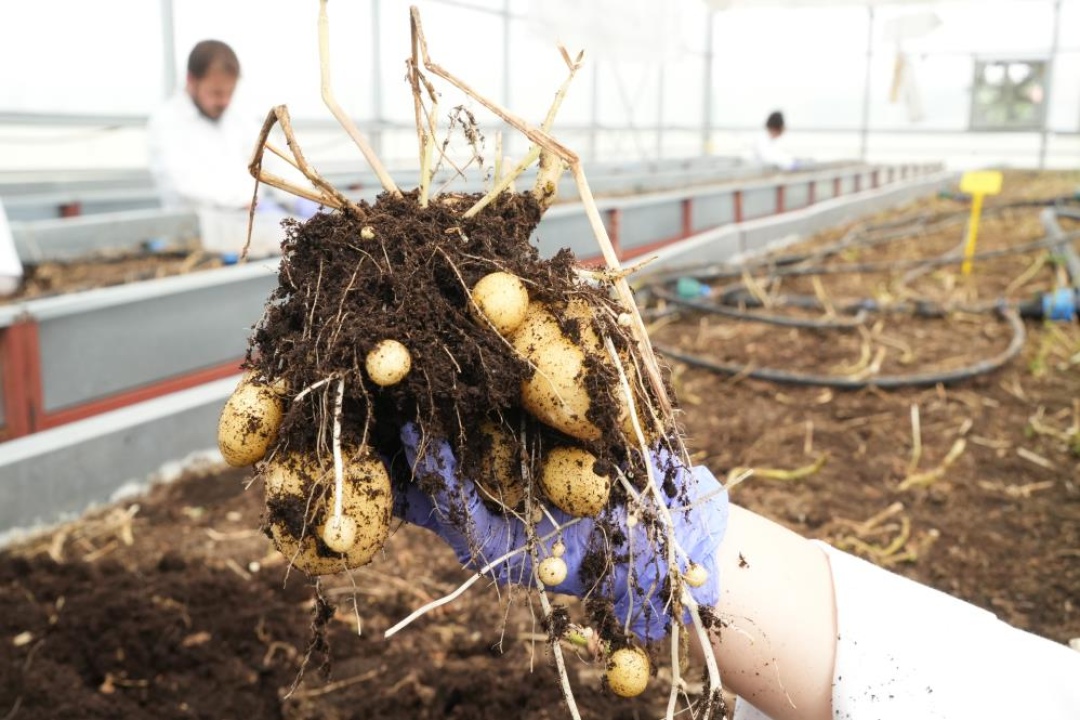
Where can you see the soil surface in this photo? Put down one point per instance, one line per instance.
(175, 605)
(53, 278)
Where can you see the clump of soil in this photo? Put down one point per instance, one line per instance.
(395, 270)
(399, 271)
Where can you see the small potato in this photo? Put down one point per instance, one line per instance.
(552, 571)
(569, 481)
(503, 299)
(339, 533)
(388, 363)
(695, 575)
(628, 672)
(249, 421)
(299, 492)
(500, 472)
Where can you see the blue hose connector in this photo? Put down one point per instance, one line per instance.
(1061, 305)
(688, 288)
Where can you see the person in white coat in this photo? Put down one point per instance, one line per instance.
(199, 148)
(768, 150)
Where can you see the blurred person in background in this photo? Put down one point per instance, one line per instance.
(199, 148)
(768, 150)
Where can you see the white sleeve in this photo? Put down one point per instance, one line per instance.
(11, 269)
(907, 651)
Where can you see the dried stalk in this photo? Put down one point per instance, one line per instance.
(673, 550)
(543, 178)
(329, 195)
(332, 104)
(425, 122)
(916, 439)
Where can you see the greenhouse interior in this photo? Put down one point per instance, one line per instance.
(521, 359)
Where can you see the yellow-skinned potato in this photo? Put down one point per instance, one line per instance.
(570, 483)
(555, 394)
(249, 421)
(351, 542)
(500, 471)
(503, 299)
(628, 671)
(388, 363)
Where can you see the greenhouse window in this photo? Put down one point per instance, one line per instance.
(1008, 95)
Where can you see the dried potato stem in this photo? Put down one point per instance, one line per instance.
(425, 135)
(332, 104)
(326, 193)
(547, 173)
(496, 171)
(546, 142)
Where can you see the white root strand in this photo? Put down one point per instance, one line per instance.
(425, 609)
(545, 605)
(339, 473)
(556, 646)
(673, 547)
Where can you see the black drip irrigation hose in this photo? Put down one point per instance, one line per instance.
(781, 320)
(734, 300)
(884, 382)
(888, 265)
(864, 237)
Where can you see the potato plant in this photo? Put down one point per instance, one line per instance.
(437, 311)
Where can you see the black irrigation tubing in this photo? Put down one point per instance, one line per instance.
(864, 237)
(769, 319)
(1069, 257)
(884, 382)
(887, 265)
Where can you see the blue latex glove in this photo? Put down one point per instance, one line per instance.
(487, 536)
(269, 206)
(303, 209)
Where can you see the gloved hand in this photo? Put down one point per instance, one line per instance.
(483, 536)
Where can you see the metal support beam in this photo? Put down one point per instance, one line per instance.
(660, 109)
(377, 76)
(1049, 85)
(507, 85)
(864, 137)
(168, 47)
(707, 91)
(594, 112)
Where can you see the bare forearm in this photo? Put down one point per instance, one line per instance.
(778, 648)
